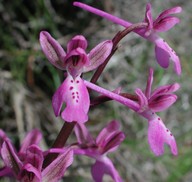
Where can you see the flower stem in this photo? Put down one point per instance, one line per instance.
(59, 142)
(101, 99)
(125, 101)
(120, 35)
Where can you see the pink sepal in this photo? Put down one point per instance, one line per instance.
(52, 49)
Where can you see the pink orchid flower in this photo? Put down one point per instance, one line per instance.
(148, 104)
(107, 141)
(160, 99)
(76, 61)
(26, 165)
(162, 23)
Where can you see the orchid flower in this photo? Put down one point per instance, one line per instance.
(162, 23)
(107, 141)
(26, 165)
(148, 104)
(159, 100)
(76, 61)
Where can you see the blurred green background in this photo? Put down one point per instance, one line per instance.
(28, 81)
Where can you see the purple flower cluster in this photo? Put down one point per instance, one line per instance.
(32, 164)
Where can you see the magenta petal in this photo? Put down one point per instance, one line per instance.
(113, 142)
(100, 168)
(57, 99)
(34, 156)
(52, 49)
(148, 19)
(110, 137)
(10, 157)
(162, 56)
(168, 12)
(105, 132)
(143, 101)
(77, 101)
(162, 97)
(77, 41)
(33, 137)
(30, 173)
(98, 55)
(74, 93)
(3, 136)
(6, 171)
(158, 135)
(149, 84)
(166, 23)
(76, 60)
(55, 171)
(165, 89)
(162, 102)
(83, 135)
(164, 52)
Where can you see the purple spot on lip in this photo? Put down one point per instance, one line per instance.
(71, 81)
(77, 81)
(77, 101)
(70, 88)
